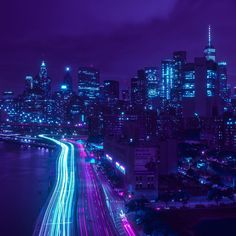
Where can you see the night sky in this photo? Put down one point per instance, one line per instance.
(118, 37)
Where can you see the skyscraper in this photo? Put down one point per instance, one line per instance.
(151, 80)
(67, 84)
(179, 58)
(200, 90)
(125, 95)
(29, 82)
(88, 85)
(223, 87)
(188, 89)
(138, 90)
(42, 81)
(167, 79)
(110, 92)
(211, 79)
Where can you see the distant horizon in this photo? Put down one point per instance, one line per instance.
(123, 85)
(118, 42)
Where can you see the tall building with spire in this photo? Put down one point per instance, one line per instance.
(42, 81)
(210, 51)
(43, 73)
(205, 90)
(67, 85)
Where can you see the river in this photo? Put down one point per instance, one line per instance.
(26, 177)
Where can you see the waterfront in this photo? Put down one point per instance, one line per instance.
(26, 178)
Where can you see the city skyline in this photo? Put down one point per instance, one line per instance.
(141, 41)
(74, 71)
(118, 118)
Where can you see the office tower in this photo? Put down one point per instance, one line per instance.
(179, 59)
(207, 94)
(167, 79)
(42, 81)
(45, 81)
(200, 92)
(67, 85)
(210, 51)
(224, 90)
(203, 86)
(29, 82)
(138, 90)
(151, 80)
(88, 85)
(75, 111)
(64, 98)
(62, 103)
(229, 133)
(188, 89)
(211, 79)
(110, 92)
(125, 95)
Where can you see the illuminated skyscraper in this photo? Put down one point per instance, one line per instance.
(188, 81)
(210, 51)
(151, 80)
(67, 85)
(138, 90)
(223, 87)
(29, 82)
(110, 92)
(167, 79)
(125, 95)
(43, 73)
(200, 90)
(42, 81)
(88, 85)
(211, 79)
(188, 92)
(179, 63)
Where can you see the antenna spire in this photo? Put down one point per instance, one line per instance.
(209, 35)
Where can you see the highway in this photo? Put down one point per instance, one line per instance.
(99, 212)
(93, 215)
(58, 216)
(115, 206)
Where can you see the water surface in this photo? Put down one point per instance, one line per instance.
(26, 178)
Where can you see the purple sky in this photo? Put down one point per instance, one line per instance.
(118, 37)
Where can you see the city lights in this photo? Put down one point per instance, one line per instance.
(58, 216)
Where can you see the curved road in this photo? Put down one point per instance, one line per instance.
(93, 215)
(58, 217)
(99, 212)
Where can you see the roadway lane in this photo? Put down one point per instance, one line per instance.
(57, 219)
(93, 215)
(116, 207)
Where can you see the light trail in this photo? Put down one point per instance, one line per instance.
(91, 204)
(115, 207)
(58, 216)
(126, 224)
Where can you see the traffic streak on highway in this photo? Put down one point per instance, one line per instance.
(93, 215)
(58, 217)
(115, 206)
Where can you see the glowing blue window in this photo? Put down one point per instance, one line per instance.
(63, 87)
